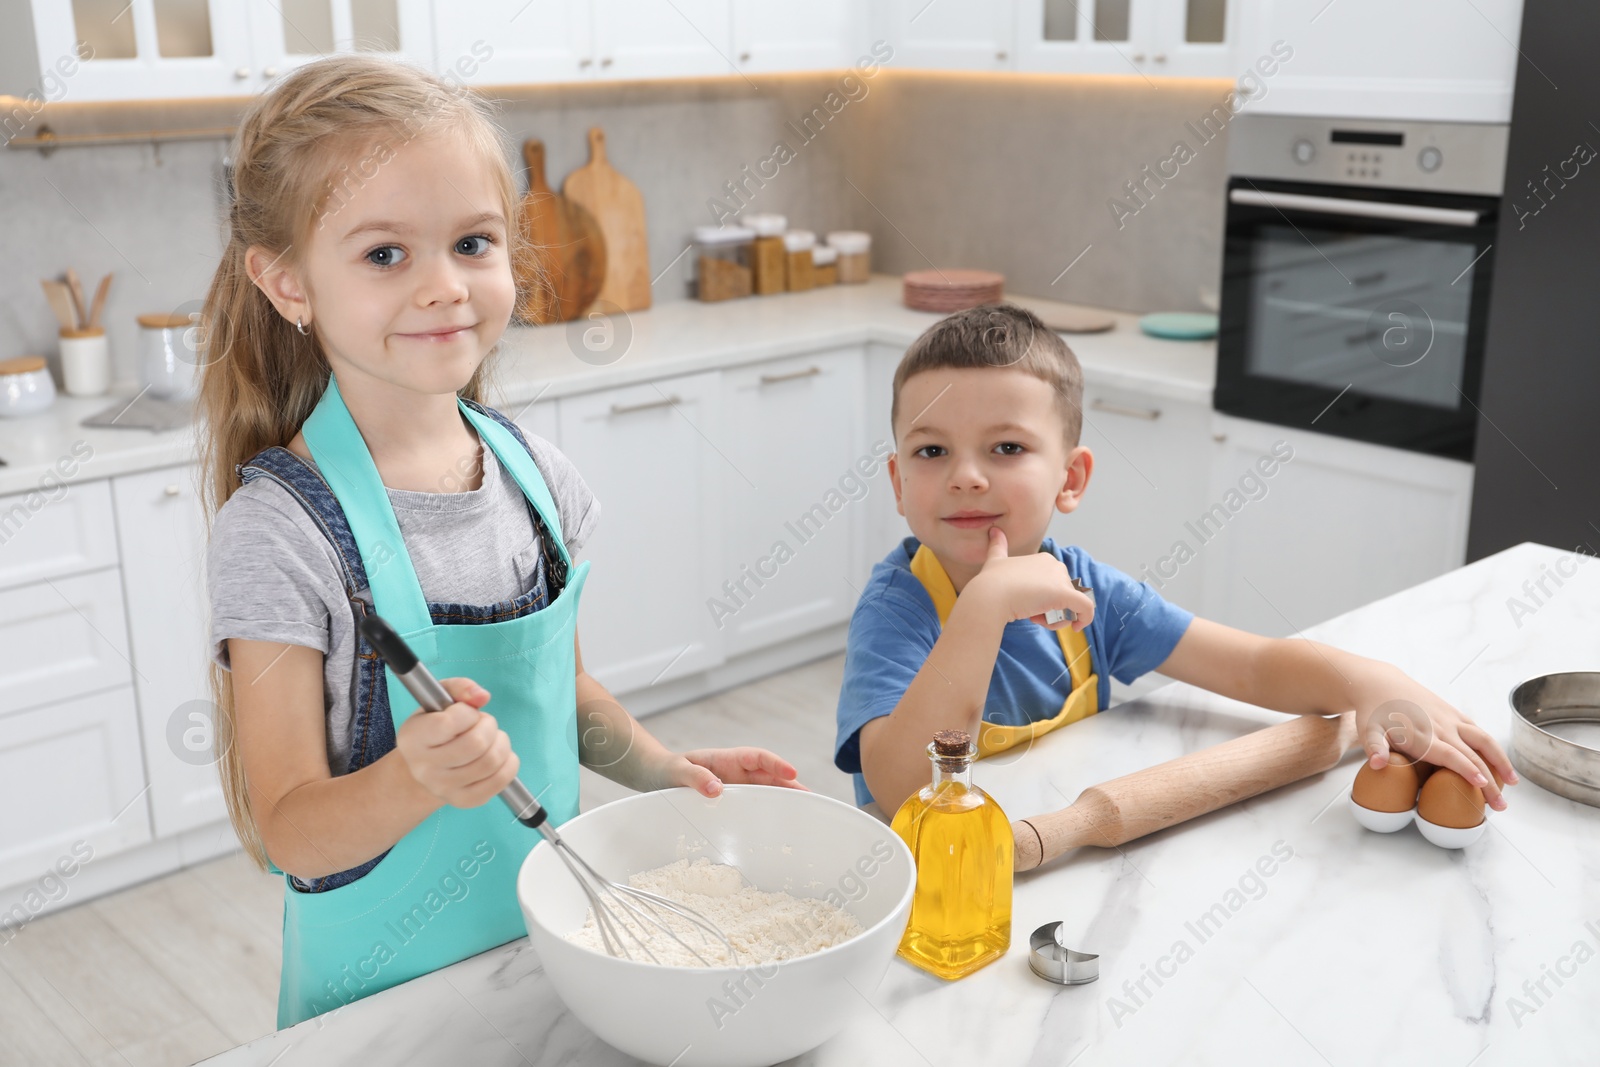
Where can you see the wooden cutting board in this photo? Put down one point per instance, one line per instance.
(563, 265)
(615, 203)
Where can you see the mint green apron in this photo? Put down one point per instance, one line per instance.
(447, 890)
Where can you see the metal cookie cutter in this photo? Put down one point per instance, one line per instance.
(1055, 962)
(1067, 614)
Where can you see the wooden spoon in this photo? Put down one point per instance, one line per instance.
(79, 304)
(99, 302)
(60, 298)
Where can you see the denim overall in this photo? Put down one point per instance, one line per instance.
(447, 890)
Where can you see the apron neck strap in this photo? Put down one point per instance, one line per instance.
(346, 465)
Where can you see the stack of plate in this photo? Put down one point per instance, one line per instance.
(945, 291)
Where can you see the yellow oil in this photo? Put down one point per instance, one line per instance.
(961, 910)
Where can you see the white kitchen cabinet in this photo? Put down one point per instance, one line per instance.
(884, 526)
(794, 505)
(61, 637)
(637, 39)
(1377, 59)
(73, 778)
(82, 51)
(1340, 524)
(777, 36)
(1188, 38)
(948, 34)
(159, 49)
(285, 34)
(162, 533)
(656, 457)
(515, 42)
(62, 527)
(1149, 479)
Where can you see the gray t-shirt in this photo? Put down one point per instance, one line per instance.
(273, 576)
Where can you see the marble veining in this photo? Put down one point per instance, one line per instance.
(1358, 948)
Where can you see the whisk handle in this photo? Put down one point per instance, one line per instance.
(420, 683)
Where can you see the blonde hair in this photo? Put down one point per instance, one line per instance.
(262, 377)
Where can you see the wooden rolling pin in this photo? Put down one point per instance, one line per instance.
(1143, 802)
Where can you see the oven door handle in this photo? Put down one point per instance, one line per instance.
(1372, 209)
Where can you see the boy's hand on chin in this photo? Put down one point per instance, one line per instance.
(1025, 587)
(706, 770)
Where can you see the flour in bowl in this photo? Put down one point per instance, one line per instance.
(762, 927)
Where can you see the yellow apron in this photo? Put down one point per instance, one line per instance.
(1082, 702)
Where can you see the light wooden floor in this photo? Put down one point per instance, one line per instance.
(186, 966)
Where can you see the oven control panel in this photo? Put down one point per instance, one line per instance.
(1457, 157)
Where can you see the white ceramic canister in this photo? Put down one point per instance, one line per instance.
(169, 359)
(85, 362)
(25, 386)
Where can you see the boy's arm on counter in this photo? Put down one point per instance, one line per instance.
(1305, 677)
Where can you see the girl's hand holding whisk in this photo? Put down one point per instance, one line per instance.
(460, 754)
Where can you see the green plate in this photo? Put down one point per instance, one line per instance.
(1180, 325)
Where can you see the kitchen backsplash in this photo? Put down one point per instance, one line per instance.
(1011, 173)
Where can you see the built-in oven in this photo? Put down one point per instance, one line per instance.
(1356, 269)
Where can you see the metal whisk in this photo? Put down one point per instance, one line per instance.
(638, 912)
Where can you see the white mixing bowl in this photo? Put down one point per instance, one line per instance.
(781, 839)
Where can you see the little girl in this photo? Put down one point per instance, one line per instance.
(351, 468)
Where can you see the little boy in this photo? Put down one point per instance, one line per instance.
(977, 622)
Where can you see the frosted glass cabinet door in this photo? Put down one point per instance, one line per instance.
(98, 50)
(288, 33)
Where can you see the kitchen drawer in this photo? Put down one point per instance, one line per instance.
(42, 537)
(60, 638)
(70, 775)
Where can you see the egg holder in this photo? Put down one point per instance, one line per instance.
(1387, 822)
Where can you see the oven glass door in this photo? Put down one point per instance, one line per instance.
(1356, 312)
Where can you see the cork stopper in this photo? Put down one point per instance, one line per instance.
(952, 742)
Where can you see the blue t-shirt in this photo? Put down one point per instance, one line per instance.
(895, 626)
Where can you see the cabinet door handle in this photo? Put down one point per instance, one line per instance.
(606, 62)
(809, 372)
(1160, 57)
(584, 63)
(171, 490)
(1151, 414)
(665, 402)
(241, 73)
(1138, 57)
(744, 57)
(269, 72)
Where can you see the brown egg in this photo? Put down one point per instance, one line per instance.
(1392, 789)
(1450, 800)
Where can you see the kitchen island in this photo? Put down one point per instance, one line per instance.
(1276, 931)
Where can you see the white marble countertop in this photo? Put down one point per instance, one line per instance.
(1360, 949)
(681, 337)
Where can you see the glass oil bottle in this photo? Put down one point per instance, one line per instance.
(961, 909)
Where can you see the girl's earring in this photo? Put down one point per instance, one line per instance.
(301, 327)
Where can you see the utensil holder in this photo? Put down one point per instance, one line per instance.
(85, 362)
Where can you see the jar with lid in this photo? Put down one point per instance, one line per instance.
(825, 266)
(855, 255)
(769, 255)
(722, 262)
(797, 246)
